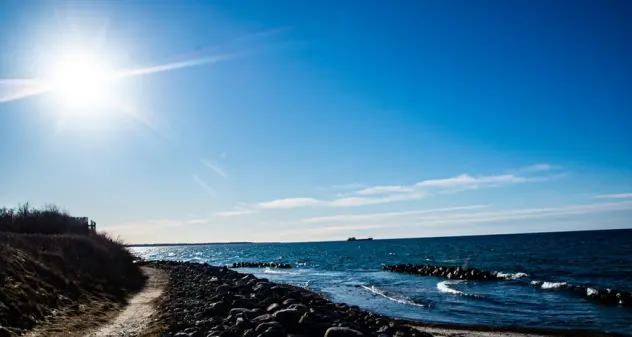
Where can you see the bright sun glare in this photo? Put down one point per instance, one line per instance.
(81, 80)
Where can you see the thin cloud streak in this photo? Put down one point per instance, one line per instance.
(215, 167)
(351, 186)
(364, 201)
(203, 184)
(384, 189)
(384, 215)
(289, 203)
(399, 193)
(234, 213)
(176, 65)
(539, 168)
(14, 89)
(483, 217)
(467, 180)
(614, 196)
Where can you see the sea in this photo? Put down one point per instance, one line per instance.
(537, 270)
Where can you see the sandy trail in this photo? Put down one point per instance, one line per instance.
(134, 319)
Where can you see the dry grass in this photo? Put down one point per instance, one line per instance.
(52, 264)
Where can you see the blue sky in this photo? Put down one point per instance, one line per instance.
(297, 121)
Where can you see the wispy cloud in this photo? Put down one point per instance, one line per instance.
(464, 180)
(363, 201)
(12, 89)
(215, 167)
(352, 186)
(398, 193)
(385, 215)
(140, 227)
(203, 184)
(540, 168)
(289, 203)
(467, 218)
(385, 189)
(614, 196)
(227, 214)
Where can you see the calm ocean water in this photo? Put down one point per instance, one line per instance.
(533, 295)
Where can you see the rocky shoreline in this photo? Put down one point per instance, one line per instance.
(203, 300)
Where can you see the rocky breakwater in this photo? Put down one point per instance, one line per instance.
(207, 301)
(604, 296)
(453, 273)
(261, 265)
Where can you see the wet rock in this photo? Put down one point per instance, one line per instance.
(219, 302)
(182, 334)
(263, 318)
(274, 307)
(265, 326)
(290, 301)
(242, 311)
(288, 317)
(4, 332)
(342, 332)
(441, 271)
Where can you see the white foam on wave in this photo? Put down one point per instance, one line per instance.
(394, 299)
(549, 285)
(591, 291)
(511, 276)
(272, 271)
(444, 287)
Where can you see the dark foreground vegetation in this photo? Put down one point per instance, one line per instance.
(52, 263)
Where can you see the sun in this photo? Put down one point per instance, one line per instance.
(81, 80)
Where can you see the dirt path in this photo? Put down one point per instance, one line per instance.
(135, 318)
(101, 319)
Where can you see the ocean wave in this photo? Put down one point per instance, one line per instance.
(606, 296)
(511, 276)
(444, 287)
(398, 299)
(273, 271)
(550, 285)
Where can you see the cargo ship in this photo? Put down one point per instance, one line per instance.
(354, 239)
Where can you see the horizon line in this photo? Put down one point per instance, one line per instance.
(373, 238)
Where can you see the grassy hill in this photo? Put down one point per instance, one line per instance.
(52, 263)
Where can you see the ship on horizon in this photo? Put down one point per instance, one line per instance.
(354, 239)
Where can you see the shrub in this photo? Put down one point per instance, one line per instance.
(47, 220)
